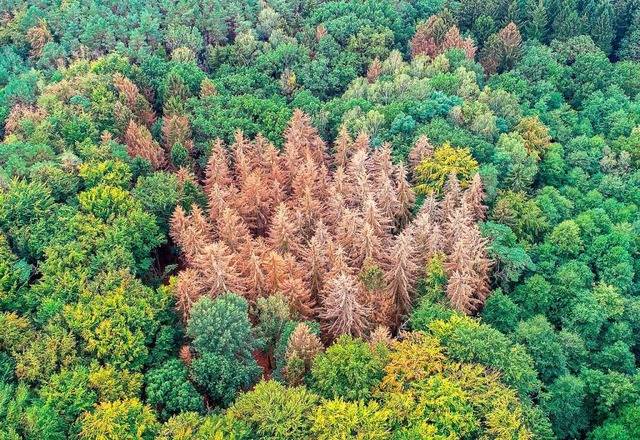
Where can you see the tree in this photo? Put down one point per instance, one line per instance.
(623, 426)
(544, 346)
(432, 172)
(117, 316)
(169, 390)
(123, 419)
(401, 277)
(469, 341)
(503, 50)
(348, 369)
(140, 144)
(275, 411)
(342, 310)
(302, 348)
(340, 419)
(68, 393)
(222, 337)
(431, 395)
(218, 270)
(565, 404)
(537, 27)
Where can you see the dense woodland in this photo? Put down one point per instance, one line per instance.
(277, 219)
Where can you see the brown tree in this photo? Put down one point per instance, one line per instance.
(401, 276)
(190, 232)
(219, 270)
(232, 230)
(217, 171)
(187, 291)
(303, 346)
(374, 71)
(405, 196)
(283, 236)
(342, 311)
(474, 197)
(342, 147)
(428, 37)
(141, 144)
(502, 50)
(421, 149)
(381, 335)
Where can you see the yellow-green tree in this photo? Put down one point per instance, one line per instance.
(125, 419)
(434, 169)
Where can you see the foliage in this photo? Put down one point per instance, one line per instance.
(349, 369)
(221, 334)
(426, 212)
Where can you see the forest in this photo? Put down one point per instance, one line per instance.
(315, 219)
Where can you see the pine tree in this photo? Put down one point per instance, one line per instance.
(405, 196)
(424, 231)
(367, 245)
(126, 88)
(474, 197)
(218, 270)
(299, 295)
(381, 335)
(217, 171)
(380, 224)
(187, 291)
(374, 71)
(316, 262)
(217, 200)
(452, 196)
(453, 40)
(282, 235)
(421, 150)
(254, 202)
(208, 88)
(304, 346)
(231, 229)
(191, 233)
(275, 269)
(425, 39)
(467, 267)
(401, 276)
(38, 36)
(379, 164)
(339, 264)
(303, 137)
(362, 143)
(140, 144)
(254, 276)
(510, 42)
(342, 147)
(460, 292)
(387, 200)
(538, 22)
(342, 311)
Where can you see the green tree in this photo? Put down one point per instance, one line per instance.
(274, 411)
(340, 419)
(222, 335)
(348, 369)
(127, 419)
(169, 390)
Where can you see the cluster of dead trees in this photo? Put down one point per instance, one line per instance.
(334, 233)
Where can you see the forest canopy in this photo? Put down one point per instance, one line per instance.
(407, 219)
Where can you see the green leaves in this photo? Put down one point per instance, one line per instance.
(222, 335)
(349, 369)
(169, 390)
